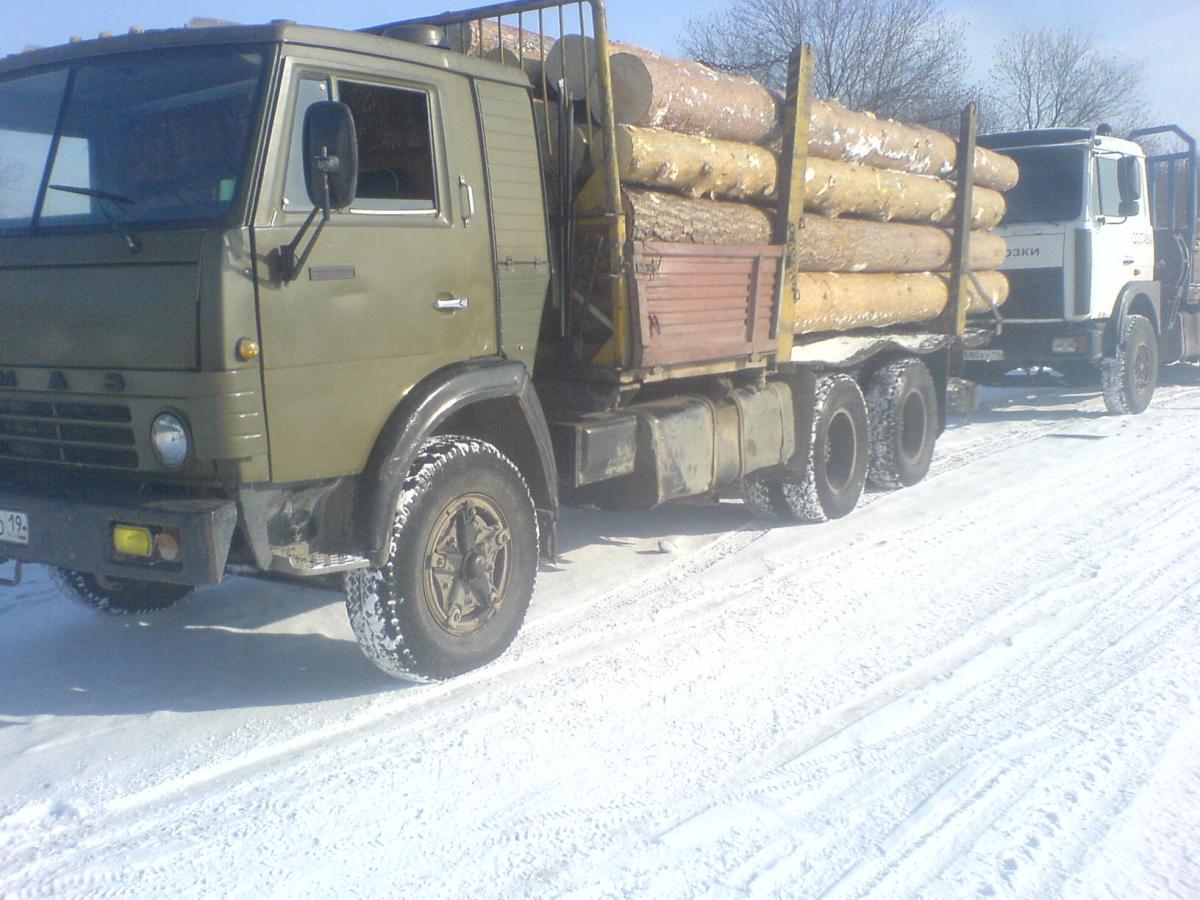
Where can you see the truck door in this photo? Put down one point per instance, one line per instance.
(1122, 244)
(397, 286)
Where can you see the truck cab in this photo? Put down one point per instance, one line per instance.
(1086, 265)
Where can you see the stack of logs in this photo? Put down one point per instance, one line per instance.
(697, 165)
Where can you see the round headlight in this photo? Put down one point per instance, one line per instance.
(169, 437)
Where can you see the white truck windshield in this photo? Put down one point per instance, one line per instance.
(1051, 188)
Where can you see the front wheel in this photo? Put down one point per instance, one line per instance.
(460, 569)
(117, 596)
(1130, 377)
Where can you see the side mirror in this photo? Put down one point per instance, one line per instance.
(330, 155)
(1129, 181)
(1128, 208)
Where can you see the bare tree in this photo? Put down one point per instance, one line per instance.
(897, 58)
(1058, 77)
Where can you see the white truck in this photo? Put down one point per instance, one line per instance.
(1101, 242)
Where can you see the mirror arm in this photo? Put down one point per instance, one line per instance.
(290, 266)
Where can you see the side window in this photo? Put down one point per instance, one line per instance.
(1107, 195)
(395, 147)
(311, 89)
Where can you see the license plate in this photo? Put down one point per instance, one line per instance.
(14, 527)
(983, 355)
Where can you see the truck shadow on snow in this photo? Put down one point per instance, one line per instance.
(642, 531)
(1033, 400)
(243, 644)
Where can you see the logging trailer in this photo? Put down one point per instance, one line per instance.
(1100, 261)
(290, 301)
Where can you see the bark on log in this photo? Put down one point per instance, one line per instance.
(654, 216)
(858, 245)
(839, 133)
(486, 37)
(695, 166)
(703, 167)
(530, 65)
(660, 92)
(823, 244)
(831, 301)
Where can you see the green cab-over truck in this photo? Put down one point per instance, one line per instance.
(292, 302)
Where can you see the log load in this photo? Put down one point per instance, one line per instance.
(573, 61)
(702, 167)
(858, 245)
(823, 245)
(660, 92)
(831, 301)
(677, 95)
(654, 216)
(835, 132)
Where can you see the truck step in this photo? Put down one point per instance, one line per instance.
(298, 559)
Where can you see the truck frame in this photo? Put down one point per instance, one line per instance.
(295, 302)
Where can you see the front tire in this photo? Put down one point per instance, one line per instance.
(461, 565)
(1130, 378)
(117, 596)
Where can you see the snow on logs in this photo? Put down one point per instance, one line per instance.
(831, 301)
(703, 167)
(693, 148)
(656, 91)
(826, 245)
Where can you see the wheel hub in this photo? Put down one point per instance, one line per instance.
(467, 564)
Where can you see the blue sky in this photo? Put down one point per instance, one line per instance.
(1165, 35)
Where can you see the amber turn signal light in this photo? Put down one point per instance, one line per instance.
(247, 349)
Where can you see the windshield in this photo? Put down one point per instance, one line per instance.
(138, 139)
(1051, 185)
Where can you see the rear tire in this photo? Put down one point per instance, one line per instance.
(117, 596)
(902, 410)
(828, 481)
(1130, 377)
(460, 570)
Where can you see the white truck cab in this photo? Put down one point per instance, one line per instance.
(1096, 289)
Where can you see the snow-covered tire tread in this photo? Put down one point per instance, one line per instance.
(82, 588)
(371, 607)
(886, 401)
(800, 494)
(1115, 375)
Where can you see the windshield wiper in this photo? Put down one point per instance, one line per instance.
(131, 242)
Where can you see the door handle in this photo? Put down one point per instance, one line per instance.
(1128, 260)
(469, 199)
(450, 303)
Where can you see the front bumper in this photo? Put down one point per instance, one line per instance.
(1023, 345)
(77, 534)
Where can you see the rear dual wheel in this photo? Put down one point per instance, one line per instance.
(887, 437)
(902, 408)
(827, 481)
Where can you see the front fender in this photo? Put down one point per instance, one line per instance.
(427, 406)
(1130, 295)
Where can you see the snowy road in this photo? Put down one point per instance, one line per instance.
(988, 684)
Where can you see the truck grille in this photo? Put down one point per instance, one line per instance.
(1034, 294)
(82, 434)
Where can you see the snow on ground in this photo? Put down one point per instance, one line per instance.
(985, 685)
